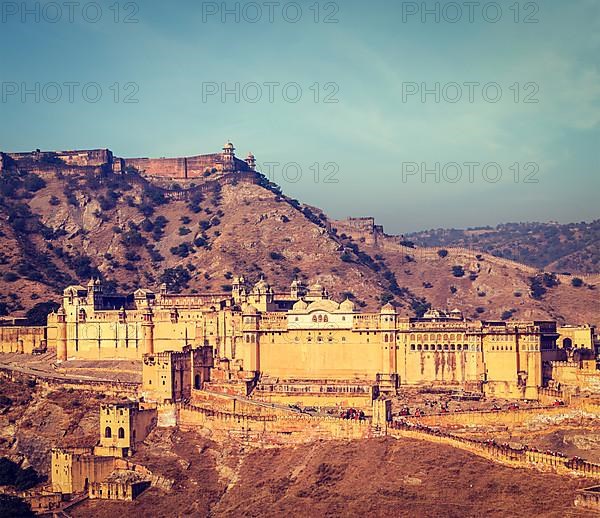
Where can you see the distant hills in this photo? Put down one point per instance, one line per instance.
(570, 247)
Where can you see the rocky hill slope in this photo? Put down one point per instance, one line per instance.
(58, 228)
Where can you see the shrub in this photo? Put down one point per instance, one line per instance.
(506, 315)
(480, 310)
(33, 183)
(11, 277)
(176, 279)
(13, 506)
(54, 201)
(346, 257)
(133, 238)
(184, 231)
(453, 289)
(458, 271)
(442, 253)
(276, 256)
(386, 297)
(420, 306)
(183, 250)
(131, 255)
(147, 225)
(576, 282)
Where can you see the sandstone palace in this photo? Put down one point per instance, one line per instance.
(300, 340)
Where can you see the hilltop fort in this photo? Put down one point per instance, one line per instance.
(104, 159)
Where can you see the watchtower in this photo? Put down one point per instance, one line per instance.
(228, 157)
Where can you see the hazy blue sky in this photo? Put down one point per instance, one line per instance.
(374, 61)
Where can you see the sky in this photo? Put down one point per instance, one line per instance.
(421, 114)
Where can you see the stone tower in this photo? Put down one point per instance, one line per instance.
(228, 157)
(148, 331)
(251, 161)
(61, 334)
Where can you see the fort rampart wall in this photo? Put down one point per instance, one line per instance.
(512, 418)
(22, 339)
(273, 429)
(501, 453)
(108, 387)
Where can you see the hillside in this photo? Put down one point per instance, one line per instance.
(372, 477)
(571, 247)
(58, 228)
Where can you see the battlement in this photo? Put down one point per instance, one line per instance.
(198, 166)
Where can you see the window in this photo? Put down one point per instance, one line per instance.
(314, 318)
(426, 347)
(412, 347)
(121, 433)
(107, 432)
(419, 347)
(325, 318)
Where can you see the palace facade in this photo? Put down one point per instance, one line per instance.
(304, 336)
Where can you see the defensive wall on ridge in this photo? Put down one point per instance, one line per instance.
(501, 453)
(512, 418)
(268, 429)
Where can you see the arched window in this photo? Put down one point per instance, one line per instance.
(107, 432)
(121, 433)
(320, 318)
(197, 383)
(325, 318)
(386, 339)
(314, 318)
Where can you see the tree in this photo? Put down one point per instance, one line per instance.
(175, 278)
(38, 314)
(14, 507)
